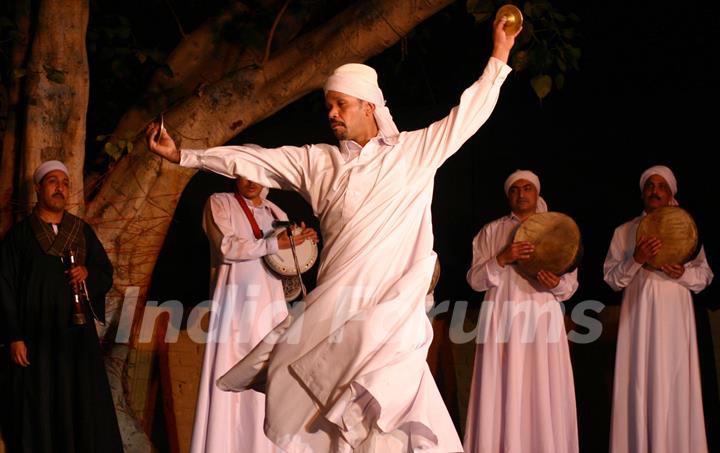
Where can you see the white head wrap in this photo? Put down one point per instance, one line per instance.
(360, 81)
(528, 176)
(666, 174)
(48, 166)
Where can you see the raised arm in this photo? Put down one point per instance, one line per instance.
(443, 138)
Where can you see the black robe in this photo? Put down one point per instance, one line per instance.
(61, 402)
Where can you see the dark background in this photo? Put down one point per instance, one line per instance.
(646, 94)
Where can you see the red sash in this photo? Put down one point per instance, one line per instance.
(253, 223)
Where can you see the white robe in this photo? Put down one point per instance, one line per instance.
(657, 398)
(248, 301)
(522, 398)
(350, 372)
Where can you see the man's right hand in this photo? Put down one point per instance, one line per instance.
(165, 146)
(515, 251)
(646, 248)
(18, 353)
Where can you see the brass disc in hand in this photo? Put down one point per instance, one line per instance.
(514, 18)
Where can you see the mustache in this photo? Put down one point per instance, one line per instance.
(60, 194)
(336, 122)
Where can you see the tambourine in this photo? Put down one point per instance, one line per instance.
(677, 231)
(557, 241)
(282, 264)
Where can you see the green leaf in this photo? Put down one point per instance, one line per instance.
(561, 63)
(481, 10)
(19, 73)
(559, 81)
(481, 17)
(541, 84)
(520, 60)
(557, 16)
(129, 147)
(112, 150)
(100, 138)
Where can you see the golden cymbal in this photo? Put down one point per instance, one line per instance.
(513, 15)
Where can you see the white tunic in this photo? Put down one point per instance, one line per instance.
(657, 399)
(350, 372)
(522, 398)
(248, 301)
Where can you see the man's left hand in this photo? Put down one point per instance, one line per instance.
(502, 41)
(548, 279)
(673, 270)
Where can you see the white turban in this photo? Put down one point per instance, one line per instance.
(527, 175)
(666, 174)
(360, 81)
(48, 166)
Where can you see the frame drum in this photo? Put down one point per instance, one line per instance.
(283, 263)
(557, 241)
(676, 230)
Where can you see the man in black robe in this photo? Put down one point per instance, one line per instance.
(58, 397)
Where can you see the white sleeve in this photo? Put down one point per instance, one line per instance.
(485, 272)
(286, 167)
(697, 275)
(232, 247)
(443, 138)
(620, 267)
(567, 286)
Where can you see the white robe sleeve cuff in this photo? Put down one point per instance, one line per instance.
(496, 69)
(191, 158)
(271, 245)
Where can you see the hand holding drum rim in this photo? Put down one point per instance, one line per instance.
(646, 248)
(516, 251)
(545, 246)
(666, 239)
(300, 235)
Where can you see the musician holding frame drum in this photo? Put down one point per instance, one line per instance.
(522, 376)
(657, 400)
(248, 301)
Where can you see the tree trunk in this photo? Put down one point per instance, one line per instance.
(12, 115)
(57, 96)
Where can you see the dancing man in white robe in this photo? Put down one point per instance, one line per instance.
(657, 398)
(522, 397)
(349, 372)
(247, 302)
